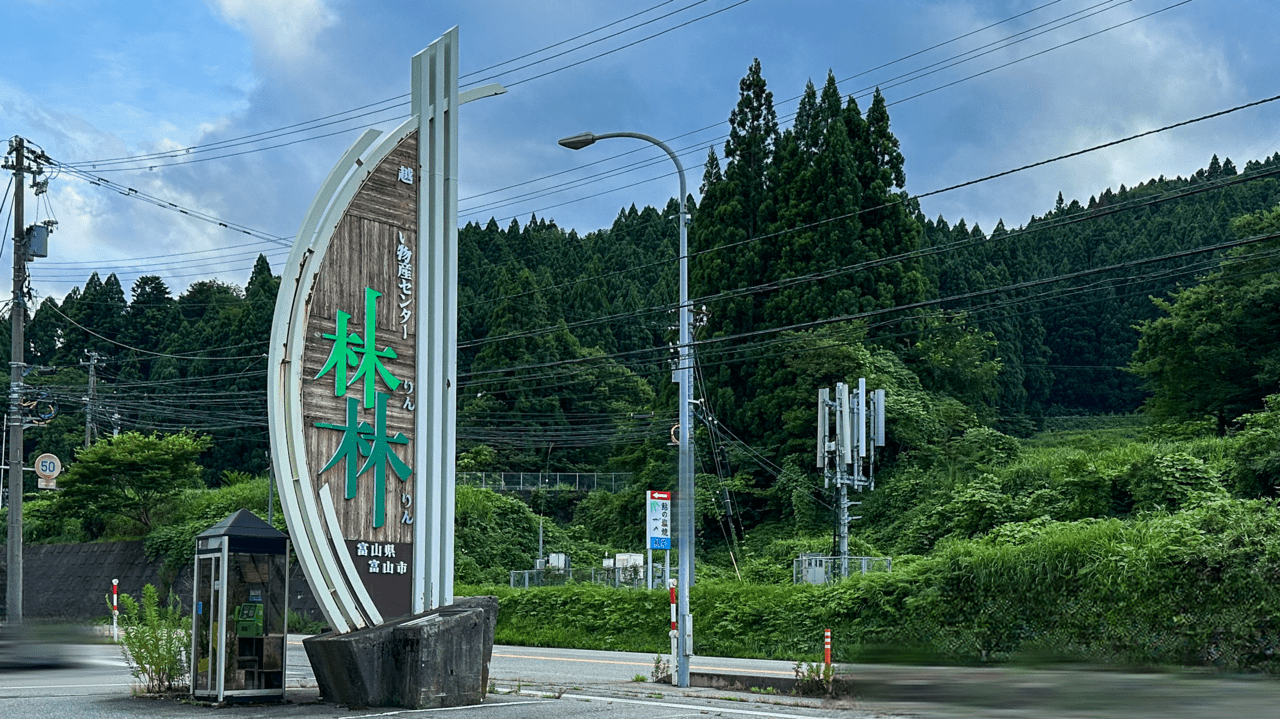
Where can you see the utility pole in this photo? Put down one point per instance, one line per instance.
(93, 391)
(22, 251)
(17, 315)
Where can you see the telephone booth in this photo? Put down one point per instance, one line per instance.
(240, 611)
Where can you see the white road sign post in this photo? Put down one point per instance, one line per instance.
(659, 526)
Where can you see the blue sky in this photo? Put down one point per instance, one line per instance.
(98, 79)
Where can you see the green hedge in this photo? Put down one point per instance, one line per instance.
(1193, 588)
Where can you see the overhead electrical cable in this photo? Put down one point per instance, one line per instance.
(183, 157)
(593, 42)
(718, 124)
(152, 159)
(865, 92)
(173, 206)
(739, 336)
(59, 312)
(1042, 52)
(568, 40)
(901, 199)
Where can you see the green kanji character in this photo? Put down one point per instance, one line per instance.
(371, 357)
(342, 356)
(352, 446)
(380, 454)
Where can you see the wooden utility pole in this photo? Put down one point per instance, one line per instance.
(17, 315)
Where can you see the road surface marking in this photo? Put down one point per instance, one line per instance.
(643, 664)
(66, 686)
(700, 708)
(449, 709)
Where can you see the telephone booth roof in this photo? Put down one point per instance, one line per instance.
(246, 532)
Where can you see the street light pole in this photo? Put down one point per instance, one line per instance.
(684, 377)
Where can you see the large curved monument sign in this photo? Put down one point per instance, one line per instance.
(362, 374)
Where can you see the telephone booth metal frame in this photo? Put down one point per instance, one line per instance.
(240, 611)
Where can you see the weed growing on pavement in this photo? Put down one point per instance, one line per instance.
(661, 668)
(813, 678)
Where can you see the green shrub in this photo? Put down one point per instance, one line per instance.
(299, 624)
(155, 640)
(1254, 465)
(1190, 588)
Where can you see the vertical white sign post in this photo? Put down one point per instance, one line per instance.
(659, 526)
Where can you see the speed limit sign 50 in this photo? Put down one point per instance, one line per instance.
(48, 467)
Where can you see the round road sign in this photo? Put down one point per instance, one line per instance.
(48, 466)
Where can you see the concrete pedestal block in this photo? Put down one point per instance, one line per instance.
(435, 659)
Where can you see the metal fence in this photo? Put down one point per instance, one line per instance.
(821, 569)
(548, 481)
(628, 577)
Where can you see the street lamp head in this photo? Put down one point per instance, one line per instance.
(579, 141)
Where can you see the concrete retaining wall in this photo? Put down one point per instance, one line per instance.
(70, 582)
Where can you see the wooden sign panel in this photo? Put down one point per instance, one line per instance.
(359, 365)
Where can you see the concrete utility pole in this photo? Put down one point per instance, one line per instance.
(93, 391)
(17, 314)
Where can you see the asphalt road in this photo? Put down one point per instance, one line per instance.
(535, 683)
(529, 683)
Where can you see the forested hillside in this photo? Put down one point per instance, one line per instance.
(808, 260)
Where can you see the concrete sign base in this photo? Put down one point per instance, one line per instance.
(439, 658)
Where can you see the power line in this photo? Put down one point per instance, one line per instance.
(348, 115)
(704, 145)
(588, 44)
(630, 44)
(178, 157)
(901, 309)
(262, 356)
(889, 260)
(172, 206)
(955, 60)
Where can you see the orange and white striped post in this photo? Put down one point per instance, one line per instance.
(826, 646)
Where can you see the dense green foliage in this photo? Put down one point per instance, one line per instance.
(192, 363)
(129, 476)
(1194, 587)
(1215, 350)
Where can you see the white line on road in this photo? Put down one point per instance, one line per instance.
(449, 709)
(640, 664)
(64, 686)
(700, 708)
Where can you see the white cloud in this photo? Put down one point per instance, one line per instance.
(283, 31)
(1151, 73)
